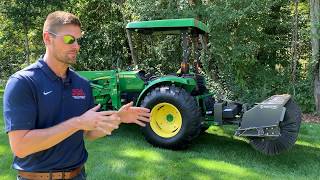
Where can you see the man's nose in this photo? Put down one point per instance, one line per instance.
(76, 45)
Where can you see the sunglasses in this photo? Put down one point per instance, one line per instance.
(68, 39)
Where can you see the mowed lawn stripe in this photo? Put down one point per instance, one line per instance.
(214, 155)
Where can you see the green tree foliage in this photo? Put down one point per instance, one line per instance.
(249, 54)
(305, 70)
(105, 41)
(21, 32)
(249, 46)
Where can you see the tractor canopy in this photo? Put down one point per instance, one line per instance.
(169, 26)
(189, 29)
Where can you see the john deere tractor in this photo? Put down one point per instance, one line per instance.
(180, 103)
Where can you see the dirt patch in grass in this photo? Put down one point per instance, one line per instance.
(311, 118)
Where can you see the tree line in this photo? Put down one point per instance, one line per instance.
(256, 48)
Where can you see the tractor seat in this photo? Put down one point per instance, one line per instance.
(146, 76)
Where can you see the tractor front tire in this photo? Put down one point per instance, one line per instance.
(175, 117)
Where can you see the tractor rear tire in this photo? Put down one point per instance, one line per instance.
(175, 117)
(289, 129)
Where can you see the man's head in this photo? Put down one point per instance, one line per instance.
(58, 19)
(61, 31)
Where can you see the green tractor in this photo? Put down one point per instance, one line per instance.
(181, 105)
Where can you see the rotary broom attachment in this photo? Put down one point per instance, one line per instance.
(273, 125)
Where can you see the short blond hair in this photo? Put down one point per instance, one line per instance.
(57, 19)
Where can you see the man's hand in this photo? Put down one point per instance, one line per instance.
(105, 121)
(130, 114)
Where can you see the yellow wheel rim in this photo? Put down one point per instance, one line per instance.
(166, 120)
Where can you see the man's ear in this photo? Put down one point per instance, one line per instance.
(46, 38)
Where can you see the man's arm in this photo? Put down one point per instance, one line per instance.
(95, 134)
(26, 142)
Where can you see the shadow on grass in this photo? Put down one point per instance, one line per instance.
(215, 155)
(210, 156)
(230, 145)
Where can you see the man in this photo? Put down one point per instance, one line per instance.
(48, 108)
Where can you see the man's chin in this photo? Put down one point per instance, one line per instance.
(71, 60)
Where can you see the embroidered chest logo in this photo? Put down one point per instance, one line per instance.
(78, 94)
(46, 92)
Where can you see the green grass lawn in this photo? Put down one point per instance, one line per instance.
(214, 155)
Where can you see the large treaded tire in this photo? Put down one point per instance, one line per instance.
(186, 106)
(289, 129)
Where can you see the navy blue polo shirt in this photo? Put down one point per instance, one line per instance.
(35, 98)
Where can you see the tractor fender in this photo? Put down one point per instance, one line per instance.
(187, 83)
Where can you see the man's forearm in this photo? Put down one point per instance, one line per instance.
(26, 142)
(94, 134)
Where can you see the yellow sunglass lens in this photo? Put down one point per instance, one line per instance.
(68, 39)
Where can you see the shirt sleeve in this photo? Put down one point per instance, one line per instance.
(19, 105)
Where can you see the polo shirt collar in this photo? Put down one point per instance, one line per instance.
(46, 69)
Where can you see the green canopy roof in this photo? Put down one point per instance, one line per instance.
(169, 25)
